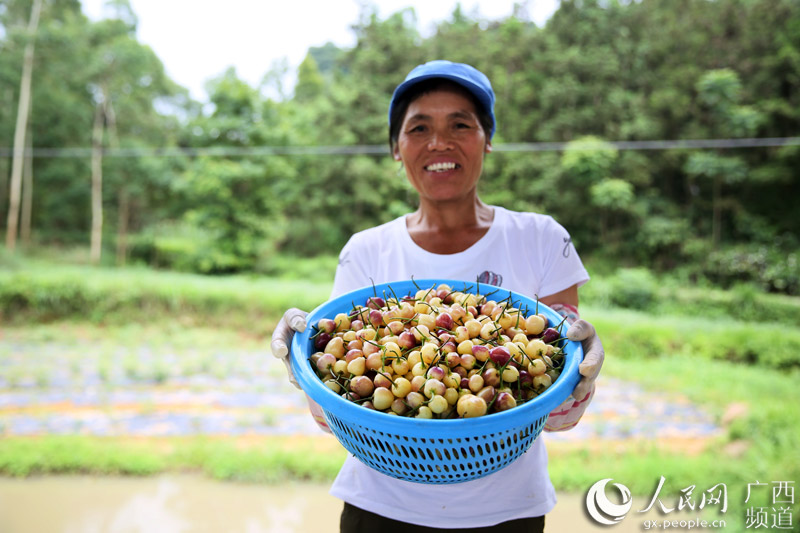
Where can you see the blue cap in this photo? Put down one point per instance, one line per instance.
(464, 75)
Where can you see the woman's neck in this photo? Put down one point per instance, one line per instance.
(449, 228)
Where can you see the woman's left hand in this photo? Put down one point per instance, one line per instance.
(567, 415)
(593, 356)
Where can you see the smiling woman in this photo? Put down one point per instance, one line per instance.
(441, 145)
(441, 122)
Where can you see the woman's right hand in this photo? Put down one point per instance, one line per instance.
(293, 320)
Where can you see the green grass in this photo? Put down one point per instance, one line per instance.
(770, 424)
(266, 460)
(40, 293)
(630, 334)
(760, 445)
(706, 345)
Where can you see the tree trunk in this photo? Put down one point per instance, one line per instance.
(97, 185)
(123, 196)
(27, 195)
(717, 212)
(23, 108)
(122, 225)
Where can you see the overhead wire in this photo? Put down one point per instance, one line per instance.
(379, 149)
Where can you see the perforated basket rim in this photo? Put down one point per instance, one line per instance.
(521, 415)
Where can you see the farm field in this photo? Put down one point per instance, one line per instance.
(164, 399)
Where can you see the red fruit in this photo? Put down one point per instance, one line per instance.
(436, 372)
(325, 362)
(375, 318)
(407, 340)
(487, 393)
(445, 336)
(445, 295)
(353, 354)
(445, 321)
(375, 302)
(550, 335)
(362, 386)
(504, 401)
(491, 377)
(480, 352)
(326, 325)
(322, 340)
(452, 359)
(461, 371)
(500, 355)
(352, 396)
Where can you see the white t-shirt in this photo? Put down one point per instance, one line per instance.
(527, 253)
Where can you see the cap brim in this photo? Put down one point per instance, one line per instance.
(474, 89)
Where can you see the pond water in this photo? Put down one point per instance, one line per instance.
(193, 504)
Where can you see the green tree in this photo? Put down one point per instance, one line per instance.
(310, 84)
(127, 80)
(21, 129)
(719, 91)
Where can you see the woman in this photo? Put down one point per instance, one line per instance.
(441, 121)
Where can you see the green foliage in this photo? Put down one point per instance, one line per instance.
(770, 268)
(731, 169)
(589, 160)
(596, 72)
(632, 336)
(639, 289)
(719, 89)
(310, 83)
(633, 288)
(612, 194)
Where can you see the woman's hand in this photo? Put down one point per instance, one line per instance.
(293, 320)
(567, 415)
(593, 356)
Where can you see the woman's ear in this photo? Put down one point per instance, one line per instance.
(396, 153)
(488, 149)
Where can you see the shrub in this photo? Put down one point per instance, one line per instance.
(633, 288)
(772, 268)
(627, 334)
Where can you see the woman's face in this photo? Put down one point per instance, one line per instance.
(441, 145)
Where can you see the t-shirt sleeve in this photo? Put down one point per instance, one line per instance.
(350, 273)
(562, 267)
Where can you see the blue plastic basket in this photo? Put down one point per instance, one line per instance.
(428, 450)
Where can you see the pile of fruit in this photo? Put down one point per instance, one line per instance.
(439, 353)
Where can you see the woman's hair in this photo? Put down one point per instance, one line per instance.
(424, 87)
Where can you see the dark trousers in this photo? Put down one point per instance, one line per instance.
(355, 520)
